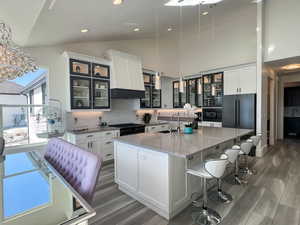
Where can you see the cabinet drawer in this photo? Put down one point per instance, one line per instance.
(87, 137)
(108, 134)
(107, 153)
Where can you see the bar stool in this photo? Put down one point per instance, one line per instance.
(237, 178)
(208, 169)
(256, 139)
(245, 150)
(232, 155)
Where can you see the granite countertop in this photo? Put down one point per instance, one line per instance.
(184, 145)
(95, 130)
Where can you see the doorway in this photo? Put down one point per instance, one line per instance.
(292, 110)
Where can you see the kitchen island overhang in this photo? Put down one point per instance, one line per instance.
(151, 168)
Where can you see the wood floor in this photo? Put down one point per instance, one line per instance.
(272, 197)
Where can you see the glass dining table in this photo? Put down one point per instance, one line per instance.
(33, 193)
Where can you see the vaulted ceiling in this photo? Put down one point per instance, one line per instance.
(52, 22)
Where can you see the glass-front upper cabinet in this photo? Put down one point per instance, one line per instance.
(176, 94)
(183, 95)
(199, 93)
(152, 96)
(192, 91)
(80, 93)
(146, 102)
(147, 78)
(90, 85)
(101, 96)
(100, 71)
(156, 98)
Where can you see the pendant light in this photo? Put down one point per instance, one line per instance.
(157, 83)
(181, 82)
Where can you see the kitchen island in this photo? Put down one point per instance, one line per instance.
(152, 167)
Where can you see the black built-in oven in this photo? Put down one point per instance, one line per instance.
(212, 114)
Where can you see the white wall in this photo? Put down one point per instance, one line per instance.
(9, 113)
(281, 29)
(225, 41)
(282, 80)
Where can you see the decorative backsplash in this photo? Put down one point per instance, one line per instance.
(122, 111)
(292, 111)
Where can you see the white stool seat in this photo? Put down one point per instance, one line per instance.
(200, 171)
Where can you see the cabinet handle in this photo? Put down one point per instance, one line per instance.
(108, 133)
(109, 142)
(89, 136)
(88, 145)
(152, 128)
(91, 144)
(237, 90)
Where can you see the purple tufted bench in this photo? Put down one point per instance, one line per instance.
(79, 167)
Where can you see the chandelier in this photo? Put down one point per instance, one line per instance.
(13, 61)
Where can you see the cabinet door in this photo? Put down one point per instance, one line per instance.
(96, 147)
(199, 98)
(107, 150)
(153, 172)
(192, 91)
(127, 165)
(84, 145)
(231, 82)
(247, 80)
(155, 98)
(176, 94)
(101, 94)
(80, 93)
(183, 96)
(146, 102)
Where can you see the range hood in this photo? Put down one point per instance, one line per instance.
(126, 75)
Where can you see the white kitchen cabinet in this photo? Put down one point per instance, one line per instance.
(240, 81)
(157, 128)
(127, 170)
(100, 143)
(150, 176)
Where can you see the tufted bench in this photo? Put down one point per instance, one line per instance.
(79, 167)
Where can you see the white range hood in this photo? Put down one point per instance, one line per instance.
(126, 75)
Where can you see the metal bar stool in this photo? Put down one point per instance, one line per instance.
(245, 150)
(208, 169)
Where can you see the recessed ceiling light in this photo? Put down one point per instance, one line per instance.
(170, 29)
(291, 67)
(117, 2)
(191, 2)
(205, 13)
(84, 30)
(136, 29)
(256, 1)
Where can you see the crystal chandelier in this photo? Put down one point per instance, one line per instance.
(13, 61)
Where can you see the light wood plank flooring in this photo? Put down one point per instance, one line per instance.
(272, 197)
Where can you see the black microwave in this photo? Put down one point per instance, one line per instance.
(212, 115)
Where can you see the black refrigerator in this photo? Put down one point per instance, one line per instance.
(239, 111)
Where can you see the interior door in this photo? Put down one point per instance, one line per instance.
(101, 94)
(247, 111)
(229, 115)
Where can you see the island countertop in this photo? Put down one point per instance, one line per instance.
(184, 145)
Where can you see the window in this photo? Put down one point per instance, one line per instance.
(44, 93)
(31, 100)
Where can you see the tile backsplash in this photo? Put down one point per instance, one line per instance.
(293, 111)
(122, 111)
